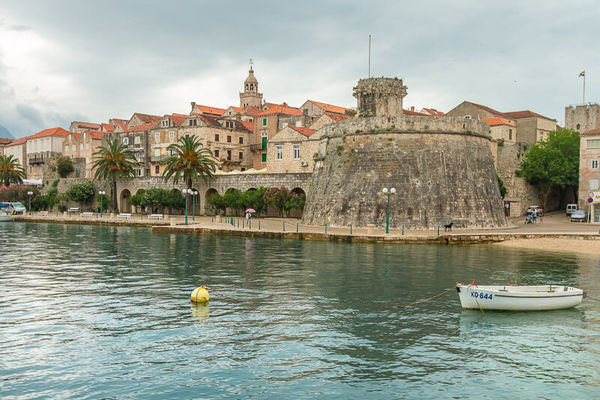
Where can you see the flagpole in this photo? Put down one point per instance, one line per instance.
(584, 88)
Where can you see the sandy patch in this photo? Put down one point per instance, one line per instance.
(570, 245)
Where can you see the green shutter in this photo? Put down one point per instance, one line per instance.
(264, 122)
(264, 157)
(264, 143)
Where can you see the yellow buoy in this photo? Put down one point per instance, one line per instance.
(200, 295)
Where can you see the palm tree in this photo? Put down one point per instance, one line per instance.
(115, 161)
(189, 160)
(11, 170)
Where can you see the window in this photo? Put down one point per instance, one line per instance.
(296, 152)
(157, 169)
(594, 164)
(229, 124)
(279, 152)
(468, 117)
(264, 142)
(87, 161)
(126, 141)
(137, 140)
(541, 136)
(73, 148)
(510, 134)
(216, 153)
(156, 152)
(138, 172)
(228, 155)
(264, 122)
(228, 139)
(87, 145)
(157, 137)
(187, 136)
(216, 137)
(241, 140)
(299, 124)
(171, 136)
(285, 125)
(193, 122)
(241, 155)
(593, 143)
(80, 146)
(578, 126)
(264, 157)
(593, 184)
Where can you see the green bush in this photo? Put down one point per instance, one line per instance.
(65, 167)
(82, 193)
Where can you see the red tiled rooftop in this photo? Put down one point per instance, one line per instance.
(209, 110)
(497, 121)
(248, 125)
(590, 132)
(525, 114)
(17, 141)
(337, 117)
(304, 131)
(488, 109)
(433, 112)
(141, 127)
(147, 118)
(86, 124)
(50, 132)
(280, 109)
(414, 113)
(330, 108)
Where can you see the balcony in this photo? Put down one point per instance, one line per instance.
(158, 159)
(39, 158)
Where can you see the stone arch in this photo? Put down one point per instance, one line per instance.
(297, 191)
(123, 203)
(175, 210)
(207, 207)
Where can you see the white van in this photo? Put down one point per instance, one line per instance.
(571, 208)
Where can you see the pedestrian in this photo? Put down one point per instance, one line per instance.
(248, 216)
(541, 215)
(534, 216)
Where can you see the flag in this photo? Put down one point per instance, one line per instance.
(582, 73)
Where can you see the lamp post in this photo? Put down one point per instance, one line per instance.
(30, 193)
(194, 194)
(185, 193)
(387, 220)
(101, 193)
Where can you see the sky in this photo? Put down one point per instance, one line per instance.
(62, 61)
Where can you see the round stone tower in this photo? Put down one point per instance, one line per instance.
(442, 168)
(379, 97)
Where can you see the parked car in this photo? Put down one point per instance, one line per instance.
(571, 208)
(532, 209)
(578, 216)
(13, 208)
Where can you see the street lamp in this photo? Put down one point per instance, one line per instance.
(101, 193)
(30, 193)
(185, 193)
(387, 220)
(194, 194)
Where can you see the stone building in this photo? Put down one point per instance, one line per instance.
(423, 158)
(164, 133)
(501, 129)
(378, 97)
(326, 119)
(17, 149)
(41, 148)
(583, 117)
(81, 144)
(4, 142)
(290, 151)
(589, 171)
(250, 97)
(134, 135)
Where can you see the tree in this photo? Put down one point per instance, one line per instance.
(64, 166)
(189, 161)
(114, 161)
(277, 197)
(82, 193)
(11, 170)
(501, 187)
(553, 164)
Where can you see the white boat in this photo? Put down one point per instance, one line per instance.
(518, 298)
(5, 217)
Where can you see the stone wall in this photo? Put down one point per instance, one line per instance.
(442, 169)
(377, 97)
(583, 117)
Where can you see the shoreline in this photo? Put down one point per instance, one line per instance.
(578, 242)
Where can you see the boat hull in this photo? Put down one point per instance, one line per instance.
(518, 298)
(6, 218)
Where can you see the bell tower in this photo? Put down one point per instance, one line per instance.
(250, 97)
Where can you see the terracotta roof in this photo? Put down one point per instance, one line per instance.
(337, 117)
(590, 132)
(177, 118)
(209, 110)
(304, 131)
(108, 128)
(77, 135)
(51, 132)
(497, 121)
(488, 109)
(208, 120)
(86, 124)
(525, 114)
(141, 127)
(5, 140)
(236, 109)
(414, 113)
(330, 108)
(433, 112)
(96, 135)
(146, 118)
(17, 141)
(252, 111)
(280, 109)
(121, 123)
(248, 125)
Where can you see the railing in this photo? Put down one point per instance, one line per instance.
(257, 147)
(158, 159)
(39, 158)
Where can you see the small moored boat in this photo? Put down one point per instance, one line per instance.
(4, 217)
(518, 298)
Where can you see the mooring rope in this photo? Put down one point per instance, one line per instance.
(427, 299)
(224, 295)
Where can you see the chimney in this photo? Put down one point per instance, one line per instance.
(285, 104)
(193, 105)
(412, 108)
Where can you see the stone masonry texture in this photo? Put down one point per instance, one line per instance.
(442, 169)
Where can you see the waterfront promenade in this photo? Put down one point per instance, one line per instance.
(556, 227)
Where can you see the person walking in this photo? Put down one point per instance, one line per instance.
(541, 215)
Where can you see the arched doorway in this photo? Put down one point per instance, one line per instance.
(298, 192)
(124, 205)
(209, 208)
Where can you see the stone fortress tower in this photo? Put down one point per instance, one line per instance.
(379, 97)
(442, 168)
(583, 117)
(250, 97)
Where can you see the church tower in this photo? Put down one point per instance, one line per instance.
(250, 96)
